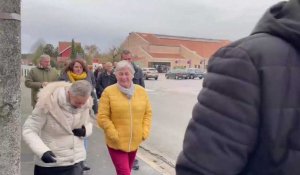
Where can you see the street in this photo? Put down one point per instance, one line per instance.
(172, 103)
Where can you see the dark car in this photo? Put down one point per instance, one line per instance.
(177, 74)
(194, 73)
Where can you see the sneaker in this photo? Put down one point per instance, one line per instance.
(136, 165)
(86, 168)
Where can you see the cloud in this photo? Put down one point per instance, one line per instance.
(107, 23)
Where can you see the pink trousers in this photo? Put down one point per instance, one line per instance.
(122, 161)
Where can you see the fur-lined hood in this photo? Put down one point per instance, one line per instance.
(46, 92)
(46, 95)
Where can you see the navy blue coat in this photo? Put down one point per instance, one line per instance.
(103, 81)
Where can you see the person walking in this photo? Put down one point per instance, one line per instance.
(98, 71)
(75, 71)
(55, 130)
(105, 79)
(246, 120)
(40, 76)
(138, 78)
(125, 115)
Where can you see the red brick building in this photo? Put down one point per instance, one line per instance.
(151, 50)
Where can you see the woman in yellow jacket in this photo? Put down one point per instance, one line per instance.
(125, 115)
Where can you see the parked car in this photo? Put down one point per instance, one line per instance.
(150, 73)
(194, 73)
(177, 74)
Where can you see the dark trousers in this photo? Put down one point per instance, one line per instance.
(76, 169)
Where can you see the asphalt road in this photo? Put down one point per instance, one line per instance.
(172, 103)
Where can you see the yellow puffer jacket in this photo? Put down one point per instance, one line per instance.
(126, 122)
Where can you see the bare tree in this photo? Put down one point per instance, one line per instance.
(10, 59)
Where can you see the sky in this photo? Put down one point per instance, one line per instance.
(107, 23)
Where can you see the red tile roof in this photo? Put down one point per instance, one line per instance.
(166, 55)
(64, 45)
(203, 47)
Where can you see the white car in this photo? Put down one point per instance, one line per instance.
(150, 73)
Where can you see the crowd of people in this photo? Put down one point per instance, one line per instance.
(245, 120)
(57, 130)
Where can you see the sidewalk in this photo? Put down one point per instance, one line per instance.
(98, 158)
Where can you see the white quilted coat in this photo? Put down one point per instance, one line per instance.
(51, 123)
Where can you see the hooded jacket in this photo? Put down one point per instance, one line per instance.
(50, 126)
(247, 118)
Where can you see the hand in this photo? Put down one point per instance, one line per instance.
(48, 157)
(79, 132)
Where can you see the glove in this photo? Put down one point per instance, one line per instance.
(48, 157)
(79, 132)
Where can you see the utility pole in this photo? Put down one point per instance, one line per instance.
(10, 93)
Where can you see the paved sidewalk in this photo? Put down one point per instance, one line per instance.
(98, 158)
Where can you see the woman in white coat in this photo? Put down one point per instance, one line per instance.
(56, 128)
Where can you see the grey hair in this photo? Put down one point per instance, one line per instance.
(81, 88)
(124, 64)
(44, 56)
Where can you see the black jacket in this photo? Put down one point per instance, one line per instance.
(138, 76)
(103, 81)
(247, 119)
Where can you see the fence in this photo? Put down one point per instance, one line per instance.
(25, 70)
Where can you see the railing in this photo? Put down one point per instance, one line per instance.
(25, 70)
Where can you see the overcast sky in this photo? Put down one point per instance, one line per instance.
(106, 23)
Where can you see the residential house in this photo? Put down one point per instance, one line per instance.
(64, 51)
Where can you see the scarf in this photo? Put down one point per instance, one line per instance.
(74, 77)
(128, 92)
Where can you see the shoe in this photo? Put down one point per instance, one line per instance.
(136, 165)
(86, 168)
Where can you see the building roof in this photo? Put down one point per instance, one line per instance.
(166, 55)
(203, 47)
(64, 45)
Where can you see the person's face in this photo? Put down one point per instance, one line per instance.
(124, 77)
(77, 68)
(45, 62)
(126, 57)
(77, 101)
(109, 68)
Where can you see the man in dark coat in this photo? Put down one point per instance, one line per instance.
(138, 75)
(247, 118)
(105, 79)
